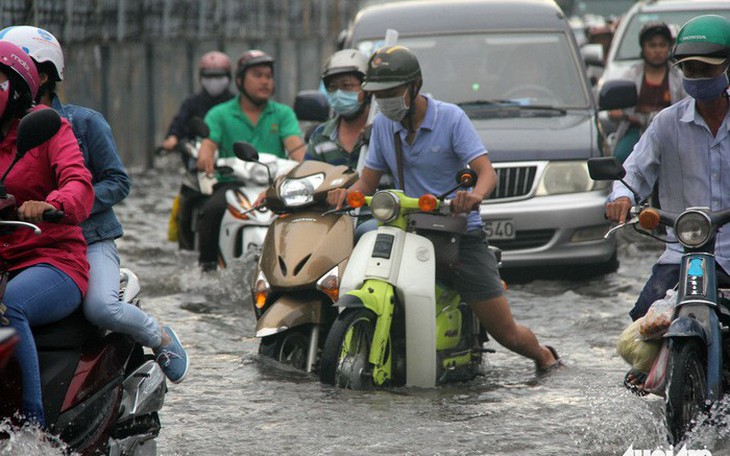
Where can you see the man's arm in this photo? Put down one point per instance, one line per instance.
(367, 184)
(295, 147)
(465, 201)
(206, 155)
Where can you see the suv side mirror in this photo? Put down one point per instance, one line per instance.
(311, 105)
(617, 94)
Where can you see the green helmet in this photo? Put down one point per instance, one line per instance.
(704, 38)
(390, 67)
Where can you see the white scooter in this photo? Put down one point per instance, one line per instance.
(243, 228)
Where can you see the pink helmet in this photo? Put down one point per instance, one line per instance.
(214, 63)
(16, 60)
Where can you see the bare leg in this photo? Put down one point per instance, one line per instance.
(496, 317)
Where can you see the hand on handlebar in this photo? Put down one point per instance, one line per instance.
(336, 197)
(260, 200)
(616, 210)
(32, 211)
(465, 202)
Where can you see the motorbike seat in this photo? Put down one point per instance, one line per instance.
(70, 333)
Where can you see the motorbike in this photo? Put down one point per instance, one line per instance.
(304, 254)
(243, 230)
(398, 324)
(697, 371)
(8, 341)
(101, 392)
(196, 187)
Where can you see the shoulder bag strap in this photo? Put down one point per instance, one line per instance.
(399, 160)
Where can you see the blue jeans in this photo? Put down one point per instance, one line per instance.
(102, 305)
(38, 295)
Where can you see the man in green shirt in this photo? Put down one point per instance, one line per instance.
(251, 116)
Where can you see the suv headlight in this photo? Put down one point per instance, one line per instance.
(298, 192)
(385, 206)
(693, 228)
(567, 177)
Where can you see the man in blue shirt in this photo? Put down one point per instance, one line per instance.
(437, 140)
(686, 148)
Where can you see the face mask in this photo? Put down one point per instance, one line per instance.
(706, 89)
(215, 86)
(343, 102)
(394, 108)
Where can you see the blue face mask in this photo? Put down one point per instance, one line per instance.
(344, 103)
(706, 89)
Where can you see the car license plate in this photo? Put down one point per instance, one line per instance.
(499, 229)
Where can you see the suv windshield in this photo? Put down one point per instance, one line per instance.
(481, 71)
(629, 47)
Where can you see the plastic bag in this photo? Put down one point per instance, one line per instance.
(657, 378)
(172, 225)
(641, 354)
(659, 316)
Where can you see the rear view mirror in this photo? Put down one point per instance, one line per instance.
(605, 168)
(245, 151)
(311, 105)
(617, 94)
(36, 128)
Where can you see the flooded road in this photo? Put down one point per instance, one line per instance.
(235, 403)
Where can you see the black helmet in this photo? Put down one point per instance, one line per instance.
(705, 38)
(390, 67)
(652, 29)
(252, 58)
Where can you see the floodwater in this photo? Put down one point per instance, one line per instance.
(235, 403)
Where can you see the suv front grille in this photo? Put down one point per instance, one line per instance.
(513, 182)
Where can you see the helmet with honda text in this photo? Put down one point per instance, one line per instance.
(214, 63)
(39, 44)
(705, 38)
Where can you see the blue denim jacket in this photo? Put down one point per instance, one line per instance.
(110, 179)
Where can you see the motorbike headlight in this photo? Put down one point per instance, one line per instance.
(566, 177)
(298, 192)
(385, 206)
(693, 228)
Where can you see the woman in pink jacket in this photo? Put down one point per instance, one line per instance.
(48, 273)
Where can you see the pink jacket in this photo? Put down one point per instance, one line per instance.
(53, 172)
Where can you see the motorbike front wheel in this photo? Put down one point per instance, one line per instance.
(686, 389)
(289, 347)
(347, 350)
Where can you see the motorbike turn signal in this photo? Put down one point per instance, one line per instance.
(427, 203)
(649, 218)
(356, 198)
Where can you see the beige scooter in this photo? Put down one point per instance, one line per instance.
(304, 255)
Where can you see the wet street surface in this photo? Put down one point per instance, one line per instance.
(235, 403)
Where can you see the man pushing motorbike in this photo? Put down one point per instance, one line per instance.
(687, 149)
(432, 152)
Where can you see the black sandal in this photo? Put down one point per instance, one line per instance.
(634, 382)
(553, 367)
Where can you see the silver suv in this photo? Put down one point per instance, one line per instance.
(515, 69)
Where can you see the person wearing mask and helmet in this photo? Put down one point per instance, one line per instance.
(49, 272)
(102, 305)
(685, 151)
(214, 75)
(435, 140)
(253, 117)
(658, 84)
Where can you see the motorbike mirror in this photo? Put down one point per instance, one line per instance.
(617, 94)
(466, 177)
(312, 106)
(245, 151)
(605, 168)
(36, 128)
(198, 127)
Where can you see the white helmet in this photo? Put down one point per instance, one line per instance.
(346, 61)
(40, 44)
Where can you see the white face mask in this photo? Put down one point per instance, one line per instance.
(394, 108)
(215, 85)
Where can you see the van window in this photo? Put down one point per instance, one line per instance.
(629, 48)
(526, 69)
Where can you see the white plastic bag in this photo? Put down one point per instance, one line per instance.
(659, 316)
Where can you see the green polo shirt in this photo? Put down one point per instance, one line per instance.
(228, 124)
